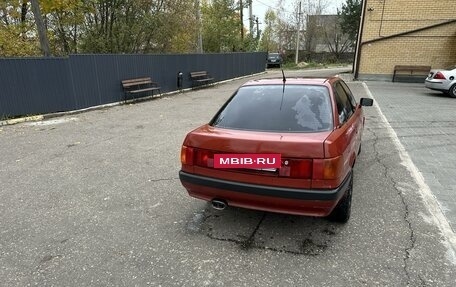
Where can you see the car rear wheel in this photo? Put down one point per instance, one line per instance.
(341, 212)
(452, 91)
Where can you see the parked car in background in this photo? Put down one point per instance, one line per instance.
(314, 127)
(443, 80)
(274, 60)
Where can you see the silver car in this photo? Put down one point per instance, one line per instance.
(442, 80)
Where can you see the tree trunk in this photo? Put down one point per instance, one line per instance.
(23, 11)
(44, 43)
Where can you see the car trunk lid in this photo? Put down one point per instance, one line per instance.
(290, 145)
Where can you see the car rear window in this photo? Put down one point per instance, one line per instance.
(273, 56)
(278, 108)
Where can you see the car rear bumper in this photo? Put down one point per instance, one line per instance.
(436, 85)
(278, 63)
(268, 198)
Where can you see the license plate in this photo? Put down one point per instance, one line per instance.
(251, 161)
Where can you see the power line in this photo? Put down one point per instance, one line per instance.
(274, 8)
(264, 4)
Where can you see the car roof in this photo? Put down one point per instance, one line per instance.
(291, 81)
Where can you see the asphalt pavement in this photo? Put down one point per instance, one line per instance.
(93, 199)
(424, 123)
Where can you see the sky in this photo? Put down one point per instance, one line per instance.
(261, 6)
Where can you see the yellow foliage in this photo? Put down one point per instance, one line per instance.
(48, 6)
(14, 44)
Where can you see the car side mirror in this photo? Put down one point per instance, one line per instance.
(366, 102)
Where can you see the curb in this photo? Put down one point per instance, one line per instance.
(22, 120)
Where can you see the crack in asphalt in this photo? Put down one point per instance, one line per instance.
(244, 244)
(422, 147)
(47, 259)
(412, 237)
(308, 247)
(247, 244)
(259, 247)
(422, 281)
(377, 153)
(406, 217)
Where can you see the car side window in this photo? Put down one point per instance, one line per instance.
(345, 108)
(349, 94)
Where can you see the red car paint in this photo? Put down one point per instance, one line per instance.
(316, 171)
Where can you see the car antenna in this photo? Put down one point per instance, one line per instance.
(283, 88)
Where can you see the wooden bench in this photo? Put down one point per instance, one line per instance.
(412, 70)
(200, 78)
(139, 85)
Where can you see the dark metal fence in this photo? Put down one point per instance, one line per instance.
(45, 85)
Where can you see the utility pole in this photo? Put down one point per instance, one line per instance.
(258, 28)
(251, 19)
(199, 48)
(241, 8)
(297, 34)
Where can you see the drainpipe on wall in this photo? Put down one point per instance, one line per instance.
(360, 37)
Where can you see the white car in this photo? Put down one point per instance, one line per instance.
(442, 80)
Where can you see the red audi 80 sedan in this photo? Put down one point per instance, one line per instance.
(284, 145)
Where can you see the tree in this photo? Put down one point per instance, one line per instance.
(184, 29)
(268, 40)
(221, 26)
(64, 21)
(312, 25)
(115, 26)
(17, 30)
(350, 17)
(100, 26)
(336, 41)
(137, 26)
(304, 18)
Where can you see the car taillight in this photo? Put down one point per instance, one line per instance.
(199, 157)
(296, 168)
(187, 155)
(330, 168)
(204, 158)
(439, 76)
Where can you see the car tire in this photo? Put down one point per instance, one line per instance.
(341, 212)
(452, 91)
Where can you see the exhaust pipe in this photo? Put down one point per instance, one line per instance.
(219, 204)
